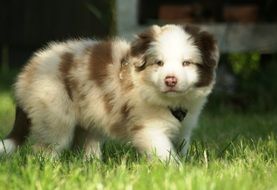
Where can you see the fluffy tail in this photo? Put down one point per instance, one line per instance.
(19, 133)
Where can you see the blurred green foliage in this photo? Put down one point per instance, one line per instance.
(245, 64)
(256, 83)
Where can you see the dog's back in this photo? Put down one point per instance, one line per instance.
(65, 85)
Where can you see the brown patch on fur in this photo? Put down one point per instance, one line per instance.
(141, 44)
(136, 128)
(65, 67)
(21, 127)
(206, 76)
(107, 98)
(100, 58)
(125, 110)
(207, 46)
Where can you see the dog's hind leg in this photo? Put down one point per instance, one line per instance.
(52, 127)
(88, 141)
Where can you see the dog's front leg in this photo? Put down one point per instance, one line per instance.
(188, 124)
(154, 142)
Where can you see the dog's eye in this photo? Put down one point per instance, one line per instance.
(186, 63)
(160, 63)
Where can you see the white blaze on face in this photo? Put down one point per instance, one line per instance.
(172, 47)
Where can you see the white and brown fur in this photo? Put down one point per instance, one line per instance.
(115, 89)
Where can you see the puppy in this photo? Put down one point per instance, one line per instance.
(149, 92)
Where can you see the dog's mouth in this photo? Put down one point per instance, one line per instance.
(171, 91)
(174, 91)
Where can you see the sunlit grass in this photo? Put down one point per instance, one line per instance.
(243, 166)
(6, 111)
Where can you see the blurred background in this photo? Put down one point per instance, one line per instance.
(246, 31)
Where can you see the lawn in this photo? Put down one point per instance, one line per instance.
(230, 150)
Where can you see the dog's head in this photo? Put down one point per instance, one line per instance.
(174, 60)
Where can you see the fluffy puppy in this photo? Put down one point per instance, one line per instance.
(149, 92)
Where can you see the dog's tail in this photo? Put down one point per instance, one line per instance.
(19, 133)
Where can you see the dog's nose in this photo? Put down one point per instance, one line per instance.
(170, 81)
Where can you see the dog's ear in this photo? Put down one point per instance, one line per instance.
(206, 44)
(142, 42)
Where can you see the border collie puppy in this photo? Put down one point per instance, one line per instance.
(149, 92)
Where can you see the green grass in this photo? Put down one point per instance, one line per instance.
(6, 101)
(229, 151)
